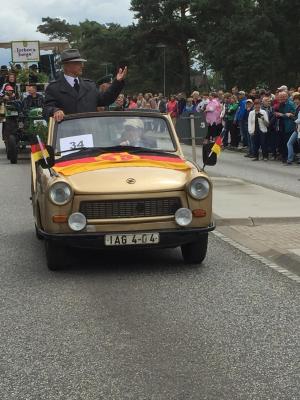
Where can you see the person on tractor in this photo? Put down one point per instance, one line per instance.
(11, 81)
(33, 100)
(12, 107)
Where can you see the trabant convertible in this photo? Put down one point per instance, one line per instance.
(119, 179)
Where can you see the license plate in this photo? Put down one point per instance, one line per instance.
(131, 239)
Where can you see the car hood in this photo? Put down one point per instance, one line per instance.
(129, 180)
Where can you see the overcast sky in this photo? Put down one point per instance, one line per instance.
(20, 18)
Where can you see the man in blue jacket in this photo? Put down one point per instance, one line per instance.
(242, 118)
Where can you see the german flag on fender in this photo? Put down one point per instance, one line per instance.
(37, 153)
(116, 160)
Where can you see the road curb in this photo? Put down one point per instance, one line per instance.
(255, 221)
(255, 256)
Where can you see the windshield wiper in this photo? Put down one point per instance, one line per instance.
(113, 149)
(135, 149)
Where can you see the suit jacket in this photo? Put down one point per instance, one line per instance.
(60, 95)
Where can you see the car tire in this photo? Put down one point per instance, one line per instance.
(37, 234)
(12, 150)
(6, 149)
(195, 252)
(56, 255)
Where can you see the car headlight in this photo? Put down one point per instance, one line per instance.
(77, 221)
(60, 193)
(183, 216)
(198, 188)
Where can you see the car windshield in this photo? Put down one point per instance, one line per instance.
(109, 131)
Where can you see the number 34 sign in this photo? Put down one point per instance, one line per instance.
(73, 143)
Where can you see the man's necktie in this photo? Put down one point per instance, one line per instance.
(76, 85)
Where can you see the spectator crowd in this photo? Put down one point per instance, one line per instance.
(265, 125)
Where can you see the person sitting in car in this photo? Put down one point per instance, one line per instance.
(134, 134)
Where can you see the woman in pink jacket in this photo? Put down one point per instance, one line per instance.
(213, 116)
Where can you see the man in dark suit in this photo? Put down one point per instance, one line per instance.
(71, 94)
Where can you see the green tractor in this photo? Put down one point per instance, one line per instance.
(20, 130)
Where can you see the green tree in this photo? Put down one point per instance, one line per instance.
(168, 22)
(60, 29)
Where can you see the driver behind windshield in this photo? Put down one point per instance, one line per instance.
(134, 134)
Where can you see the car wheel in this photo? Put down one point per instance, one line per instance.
(56, 255)
(6, 149)
(12, 150)
(37, 234)
(195, 253)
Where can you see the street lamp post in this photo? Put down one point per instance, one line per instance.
(163, 46)
(106, 64)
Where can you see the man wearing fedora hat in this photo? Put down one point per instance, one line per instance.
(71, 94)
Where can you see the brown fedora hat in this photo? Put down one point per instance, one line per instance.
(71, 55)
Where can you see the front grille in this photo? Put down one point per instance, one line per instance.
(109, 209)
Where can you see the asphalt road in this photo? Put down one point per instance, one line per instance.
(139, 326)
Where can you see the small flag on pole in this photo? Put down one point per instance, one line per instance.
(38, 151)
(217, 145)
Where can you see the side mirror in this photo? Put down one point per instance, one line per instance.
(208, 157)
(50, 159)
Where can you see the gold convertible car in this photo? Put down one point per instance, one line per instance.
(116, 179)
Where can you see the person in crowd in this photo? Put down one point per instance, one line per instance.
(203, 103)
(161, 103)
(33, 74)
(252, 94)
(3, 75)
(140, 101)
(232, 127)
(148, 100)
(172, 108)
(235, 91)
(291, 91)
(71, 94)
(181, 99)
(296, 134)
(285, 115)
(119, 104)
(283, 88)
(258, 122)
(224, 114)
(241, 119)
(196, 98)
(10, 81)
(272, 136)
(213, 116)
(250, 148)
(34, 99)
(132, 104)
(221, 96)
(189, 107)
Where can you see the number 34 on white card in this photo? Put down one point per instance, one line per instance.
(76, 142)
